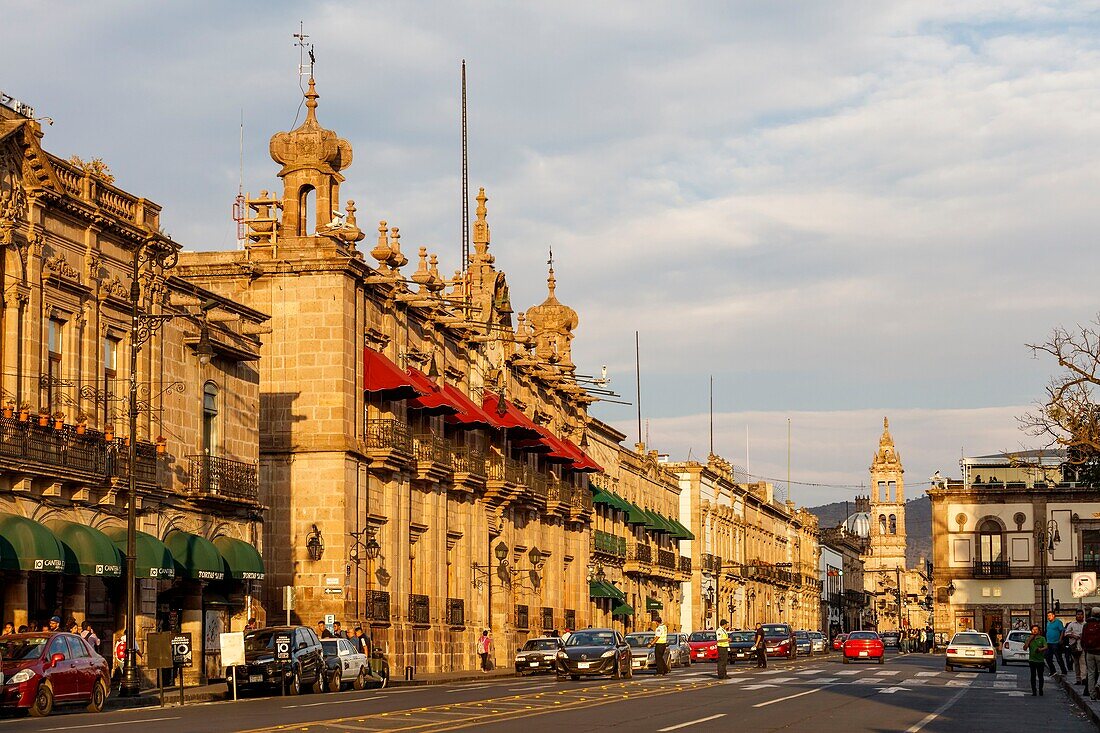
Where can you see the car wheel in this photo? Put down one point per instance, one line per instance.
(98, 698)
(993, 667)
(617, 671)
(43, 702)
(320, 684)
(846, 660)
(294, 684)
(336, 682)
(561, 677)
(629, 670)
(360, 679)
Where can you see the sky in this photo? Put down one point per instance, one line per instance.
(838, 210)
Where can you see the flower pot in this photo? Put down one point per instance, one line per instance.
(80, 428)
(24, 415)
(8, 412)
(58, 424)
(43, 420)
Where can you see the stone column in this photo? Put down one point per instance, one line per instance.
(192, 622)
(15, 598)
(76, 587)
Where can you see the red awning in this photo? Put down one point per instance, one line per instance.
(581, 461)
(382, 376)
(433, 401)
(512, 418)
(554, 449)
(469, 413)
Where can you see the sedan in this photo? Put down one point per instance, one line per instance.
(347, 665)
(1013, 649)
(838, 642)
(862, 645)
(538, 655)
(594, 652)
(742, 646)
(679, 650)
(643, 655)
(818, 641)
(704, 646)
(779, 640)
(38, 670)
(971, 649)
(803, 644)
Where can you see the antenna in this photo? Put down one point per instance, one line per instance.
(465, 180)
(239, 202)
(712, 414)
(638, 380)
(788, 459)
(301, 37)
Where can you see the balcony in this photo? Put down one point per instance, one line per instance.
(433, 457)
(468, 467)
(639, 557)
(388, 443)
(711, 563)
(456, 612)
(419, 609)
(213, 477)
(547, 618)
(378, 605)
(609, 545)
(991, 569)
(580, 503)
(685, 565)
(536, 489)
(666, 564)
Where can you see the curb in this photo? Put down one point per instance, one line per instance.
(1080, 700)
(460, 678)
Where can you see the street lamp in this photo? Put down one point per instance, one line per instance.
(1047, 538)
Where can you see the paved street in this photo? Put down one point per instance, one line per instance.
(911, 693)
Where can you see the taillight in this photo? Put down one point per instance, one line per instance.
(987, 652)
(1006, 645)
(952, 650)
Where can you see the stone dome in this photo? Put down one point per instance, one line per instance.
(858, 524)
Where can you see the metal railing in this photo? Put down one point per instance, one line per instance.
(70, 451)
(685, 565)
(523, 617)
(991, 568)
(666, 559)
(547, 617)
(570, 619)
(711, 563)
(215, 476)
(430, 448)
(456, 612)
(419, 609)
(378, 605)
(505, 469)
(468, 460)
(608, 544)
(639, 552)
(387, 433)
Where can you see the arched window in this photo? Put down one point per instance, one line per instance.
(990, 541)
(307, 201)
(210, 419)
(892, 489)
(882, 524)
(893, 524)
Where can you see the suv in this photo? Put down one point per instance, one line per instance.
(779, 640)
(304, 668)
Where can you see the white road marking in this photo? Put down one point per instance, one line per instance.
(691, 722)
(915, 681)
(966, 675)
(772, 671)
(757, 687)
(467, 687)
(959, 683)
(788, 697)
(120, 722)
(332, 702)
(919, 725)
(888, 672)
(782, 680)
(824, 680)
(854, 671)
(891, 690)
(811, 671)
(928, 674)
(1004, 684)
(531, 687)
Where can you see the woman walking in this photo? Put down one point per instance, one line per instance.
(484, 646)
(1036, 646)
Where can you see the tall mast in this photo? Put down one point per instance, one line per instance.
(465, 180)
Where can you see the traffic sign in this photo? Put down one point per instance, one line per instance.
(1083, 584)
(181, 650)
(282, 648)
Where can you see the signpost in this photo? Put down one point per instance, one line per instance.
(232, 648)
(181, 656)
(282, 653)
(288, 601)
(1083, 584)
(158, 648)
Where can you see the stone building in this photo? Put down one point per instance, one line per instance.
(71, 243)
(419, 447)
(846, 594)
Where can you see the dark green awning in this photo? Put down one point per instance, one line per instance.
(27, 545)
(622, 609)
(600, 589)
(242, 561)
(685, 533)
(635, 515)
(654, 523)
(153, 558)
(601, 497)
(652, 604)
(87, 550)
(196, 557)
(620, 503)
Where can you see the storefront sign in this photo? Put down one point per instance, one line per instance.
(282, 648)
(181, 650)
(162, 572)
(49, 566)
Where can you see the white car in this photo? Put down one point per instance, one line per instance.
(971, 649)
(354, 665)
(1013, 649)
(817, 641)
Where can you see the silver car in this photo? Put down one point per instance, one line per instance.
(817, 641)
(679, 651)
(354, 665)
(971, 649)
(642, 655)
(538, 655)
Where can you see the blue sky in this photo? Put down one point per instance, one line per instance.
(840, 210)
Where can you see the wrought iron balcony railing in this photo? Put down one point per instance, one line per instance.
(991, 568)
(608, 544)
(547, 617)
(666, 559)
(419, 609)
(570, 620)
(431, 448)
(456, 612)
(639, 552)
(72, 451)
(468, 460)
(378, 605)
(685, 565)
(216, 476)
(387, 433)
(523, 617)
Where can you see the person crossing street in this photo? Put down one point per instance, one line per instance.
(660, 645)
(722, 638)
(761, 648)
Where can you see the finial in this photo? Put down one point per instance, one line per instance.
(435, 284)
(421, 276)
(311, 100)
(885, 423)
(481, 199)
(397, 259)
(381, 251)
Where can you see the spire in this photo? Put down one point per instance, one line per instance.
(481, 227)
(551, 281)
(311, 104)
(552, 324)
(886, 457)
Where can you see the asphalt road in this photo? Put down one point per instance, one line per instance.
(912, 693)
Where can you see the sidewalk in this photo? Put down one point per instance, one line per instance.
(1078, 694)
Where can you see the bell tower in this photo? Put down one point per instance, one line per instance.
(887, 509)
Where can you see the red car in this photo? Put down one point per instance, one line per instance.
(864, 645)
(704, 646)
(838, 642)
(779, 640)
(37, 670)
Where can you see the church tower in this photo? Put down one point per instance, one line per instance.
(887, 510)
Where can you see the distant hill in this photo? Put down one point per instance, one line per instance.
(918, 524)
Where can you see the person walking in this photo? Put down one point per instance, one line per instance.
(761, 648)
(1075, 657)
(484, 648)
(722, 639)
(1054, 632)
(1090, 646)
(1037, 649)
(660, 646)
(89, 635)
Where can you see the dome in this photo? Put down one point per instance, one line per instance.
(858, 524)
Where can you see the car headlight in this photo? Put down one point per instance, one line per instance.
(519, 659)
(608, 653)
(21, 676)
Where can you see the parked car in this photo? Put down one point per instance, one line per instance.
(306, 666)
(703, 645)
(642, 655)
(538, 655)
(819, 642)
(741, 646)
(594, 652)
(679, 650)
(890, 639)
(838, 642)
(1013, 649)
(779, 641)
(971, 649)
(39, 670)
(803, 644)
(347, 665)
(861, 645)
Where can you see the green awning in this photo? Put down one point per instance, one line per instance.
(242, 561)
(635, 515)
(620, 503)
(600, 589)
(622, 609)
(27, 545)
(601, 497)
(652, 604)
(87, 550)
(654, 523)
(153, 558)
(680, 531)
(196, 557)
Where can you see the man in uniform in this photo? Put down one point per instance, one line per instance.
(761, 647)
(660, 644)
(723, 640)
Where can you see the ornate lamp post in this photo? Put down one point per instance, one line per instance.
(1047, 538)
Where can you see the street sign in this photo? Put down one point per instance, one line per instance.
(1083, 584)
(288, 597)
(181, 650)
(232, 646)
(282, 648)
(158, 649)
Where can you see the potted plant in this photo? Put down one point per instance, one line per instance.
(109, 433)
(81, 424)
(58, 420)
(9, 408)
(43, 417)
(24, 411)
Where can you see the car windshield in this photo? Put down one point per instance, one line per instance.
(864, 635)
(971, 640)
(591, 638)
(540, 645)
(801, 635)
(260, 640)
(702, 636)
(639, 640)
(19, 649)
(776, 630)
(741, 636)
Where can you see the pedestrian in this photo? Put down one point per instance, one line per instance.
(251, 625)
(1054, 632)
(359, 639)
(931, 646)
(322, 630)
(1037, 649)
(1090, 644)
(760, 646)
(23, 629)
(1075, 656)
(9, 628)
(484, 648)
(660, 646)
(89, 635)
(722, 639)
(54, 625)
(338, 630)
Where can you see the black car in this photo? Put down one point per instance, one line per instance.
(304, 665)
(741, 646)
(594, 652)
